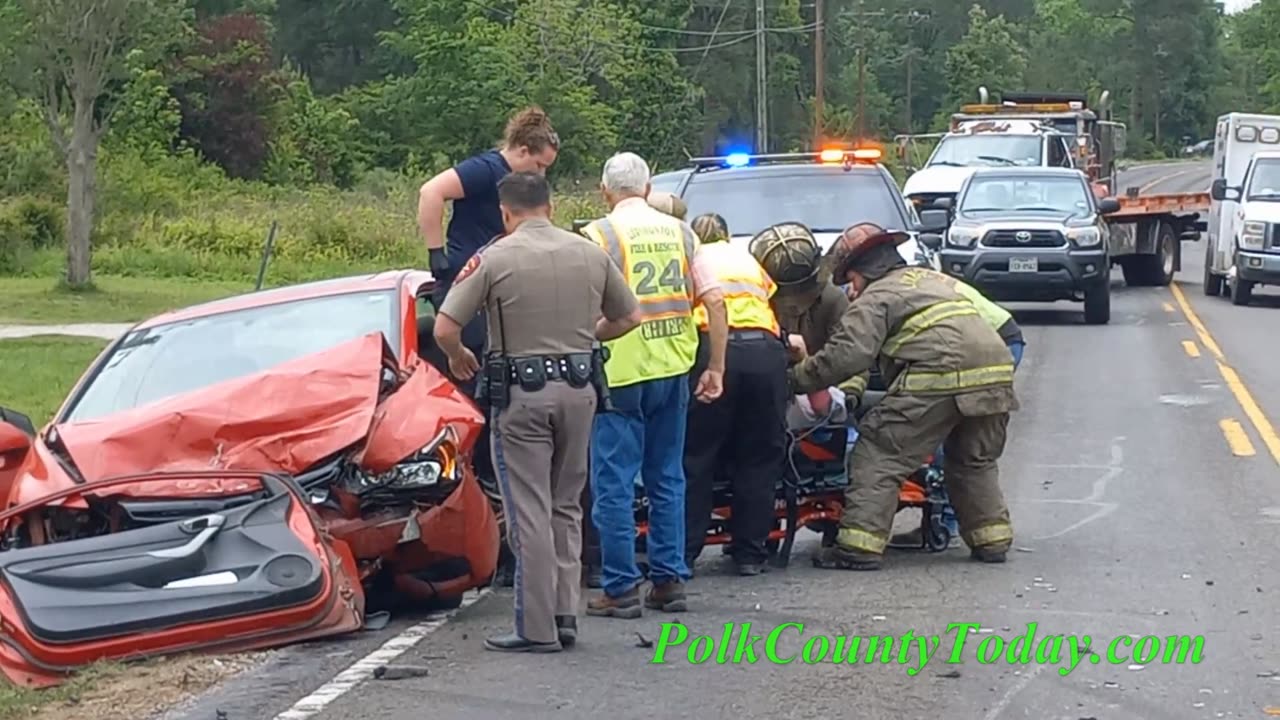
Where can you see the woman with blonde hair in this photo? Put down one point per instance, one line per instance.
(710, 227)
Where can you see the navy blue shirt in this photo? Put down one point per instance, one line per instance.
(476, 218)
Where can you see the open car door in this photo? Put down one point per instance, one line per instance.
(252, 571)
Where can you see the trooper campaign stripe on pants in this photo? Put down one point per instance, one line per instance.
(644, 436)
(743, 433)
(540, 446)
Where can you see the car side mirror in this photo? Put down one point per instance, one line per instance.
(1220, 191)
(933, 241)
(16, 431)
(933, 221)
(1106, 206)
(944, 203)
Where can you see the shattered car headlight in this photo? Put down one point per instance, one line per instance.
(433, 465)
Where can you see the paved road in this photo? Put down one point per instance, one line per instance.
(105, 331)
(1134, 513)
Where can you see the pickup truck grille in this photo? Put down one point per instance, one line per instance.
(1009, 238)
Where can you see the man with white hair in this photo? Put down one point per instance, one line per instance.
(648, 371)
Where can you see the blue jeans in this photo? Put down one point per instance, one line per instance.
(949, 512)
(644, 436)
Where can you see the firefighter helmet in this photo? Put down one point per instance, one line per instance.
(788, 252)
(854, 242)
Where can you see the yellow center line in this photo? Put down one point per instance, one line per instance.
(1250, 406)
(1161, 179)
(1191, 349)
(1237, 438)
(1168, 308)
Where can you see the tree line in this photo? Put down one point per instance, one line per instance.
(305, 92)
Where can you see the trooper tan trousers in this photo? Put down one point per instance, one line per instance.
(540, 447)
(895, 437)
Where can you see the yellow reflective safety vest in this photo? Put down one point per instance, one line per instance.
(746, 286)
(654, 252)
(995, 315)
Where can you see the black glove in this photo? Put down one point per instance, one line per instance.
(438, 262)
(851, 403)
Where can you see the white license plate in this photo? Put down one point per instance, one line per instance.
(1024, 265)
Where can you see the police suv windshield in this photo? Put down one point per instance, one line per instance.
(989, 149)
(160, 362)
(1038, 194)
(823, 198)
(1264, 183)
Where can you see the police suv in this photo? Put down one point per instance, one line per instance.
(826, 191)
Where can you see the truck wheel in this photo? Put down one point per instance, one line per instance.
(1241, 292)
(1212, 281)
(1097, 304)
(1156, 269)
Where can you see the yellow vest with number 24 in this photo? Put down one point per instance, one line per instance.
(653, 251)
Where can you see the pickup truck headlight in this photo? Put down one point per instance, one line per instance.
(1251, 237)
(1085, 237)
(963, 237)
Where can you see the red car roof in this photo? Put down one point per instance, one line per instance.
(306, 291)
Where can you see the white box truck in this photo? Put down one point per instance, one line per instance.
(1242, 249)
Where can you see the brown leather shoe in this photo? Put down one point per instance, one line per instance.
(626, 606)
(667, 597)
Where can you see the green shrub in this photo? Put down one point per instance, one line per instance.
(27, 225)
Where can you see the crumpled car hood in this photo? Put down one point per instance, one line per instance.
(285, 419)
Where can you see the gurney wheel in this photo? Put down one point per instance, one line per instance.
(936, 533)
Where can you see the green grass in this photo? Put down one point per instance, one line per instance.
(39, 371)
(42, 301)
(20, 703)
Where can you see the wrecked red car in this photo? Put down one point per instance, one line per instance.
(250, 472)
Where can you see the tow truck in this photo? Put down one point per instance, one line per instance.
(1147, 230)
(827, 191)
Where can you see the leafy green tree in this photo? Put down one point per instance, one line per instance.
(75, 52)
(987, 56)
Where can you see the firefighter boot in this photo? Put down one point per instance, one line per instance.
(989, 554)
(841, 558)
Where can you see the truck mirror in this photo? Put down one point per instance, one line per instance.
(1220, 191)
(933, 241)
(942, 204)
(1107, 206)
(932, 221)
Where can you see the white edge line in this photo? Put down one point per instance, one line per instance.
(347, 680)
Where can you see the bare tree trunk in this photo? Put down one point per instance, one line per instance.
(82, 174)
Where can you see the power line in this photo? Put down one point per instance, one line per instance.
(707, 50)
(621, 46)
(740, 34)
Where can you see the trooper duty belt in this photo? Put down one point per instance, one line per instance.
(534, 372)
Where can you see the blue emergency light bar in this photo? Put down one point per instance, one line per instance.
(833, 156)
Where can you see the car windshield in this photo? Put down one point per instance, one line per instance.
(825, 201)
(1065, 195)
(1264, 184)
(667, 182)
(988, 149)
(160, 362)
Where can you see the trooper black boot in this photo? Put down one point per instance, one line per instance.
(567, 628)
(514, 643)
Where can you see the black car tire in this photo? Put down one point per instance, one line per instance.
(1156, 270)
(1097, 303)
(1241, 292)
(1212, 281)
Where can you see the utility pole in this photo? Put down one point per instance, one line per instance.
(910, 57)
(762, 84)
(819, 77)
(862, 94)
